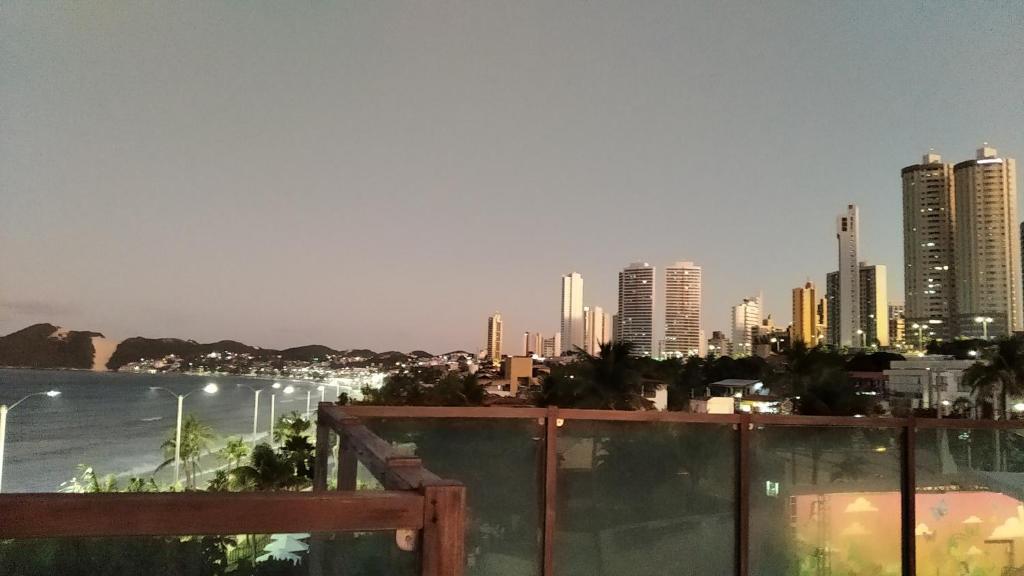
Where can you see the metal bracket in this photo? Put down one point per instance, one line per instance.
(406, 539)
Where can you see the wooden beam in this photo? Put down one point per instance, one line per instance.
(196, 513)
(444, 530)
(323, 452)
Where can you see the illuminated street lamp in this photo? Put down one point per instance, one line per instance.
(273, 396)
(778, 344)
(984, 321)
(210, 388)
(863, 338)
(4, 409)
(920, 335)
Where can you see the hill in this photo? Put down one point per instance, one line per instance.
(47, 346)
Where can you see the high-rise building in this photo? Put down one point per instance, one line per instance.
(832, 309)
(821, 322)
(929, 235)
(746, 318)
(533, 343)
(572, 312)
(874, 307)
(987, 253)
(597, 329)
(718, 344)
(848, 236)
(636, 307)
(682, 309)
(897, 325)
(493, 354)
(551, 346)
(805, 315)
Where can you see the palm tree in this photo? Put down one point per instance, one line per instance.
(290, 425)
(1002, 374)
(267, 470)
(609, 380)
(234, 451)
(195, 441)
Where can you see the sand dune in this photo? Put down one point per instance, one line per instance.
(103, 349)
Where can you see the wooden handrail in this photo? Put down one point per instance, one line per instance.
(206, 513)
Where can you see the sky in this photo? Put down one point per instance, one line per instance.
(388, 174)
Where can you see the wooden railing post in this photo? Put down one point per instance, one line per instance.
(323, 451)
(550, 489)
(908, 492)
(444, 530)
(348, 462)
(744, 429)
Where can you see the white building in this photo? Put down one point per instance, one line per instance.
(745, 318)
(493, 350)
(928, 381)
(636, 307)
(683, 309)
(987, 253)
(874, 306)
(572, 312)
(848, 236)
(597, 329)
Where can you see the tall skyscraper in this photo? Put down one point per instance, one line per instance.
(897, 324)
(494, 339)
(832, 309)
(848, 235)
(746, 317)
(929, 235)
(551, 346)
(597, 328)
(874, 306)
(821, 322)
(682, 309)
(572, 312)
(636, 307)
(533, 343)
(805, 316)
(987, 253)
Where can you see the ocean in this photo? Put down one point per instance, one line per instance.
(115, 423)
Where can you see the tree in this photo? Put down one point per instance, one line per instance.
(609, 380)
(234, 452)
(1001, 375)
(267, 470)
(195, 441)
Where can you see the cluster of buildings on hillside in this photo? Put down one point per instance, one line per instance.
(962, 263)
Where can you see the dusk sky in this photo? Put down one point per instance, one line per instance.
(386, 174)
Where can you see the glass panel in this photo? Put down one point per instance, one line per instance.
(368, 553)
(645, 499)
(970, 501)
(501, 464)
(825, 500)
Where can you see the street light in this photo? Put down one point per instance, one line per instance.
(984, 321)
(321, 388)
(255, 411)
(778, 345)
(210, 388)
(273, 396)
(863, 338)
(920, 335)
(4, 409)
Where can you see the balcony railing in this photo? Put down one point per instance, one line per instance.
(414, 526)
(545, 491)
(559, 491)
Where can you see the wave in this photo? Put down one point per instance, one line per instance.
(153, 419)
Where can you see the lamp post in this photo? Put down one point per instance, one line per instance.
(984, 321)
(863, 338)
(308, 397)
(210, 388)
(255, 411)
(4, 409)
(920, 335)
(775, 341)
(321, 388)
(273, 397)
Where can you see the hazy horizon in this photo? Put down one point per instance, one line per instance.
(386, 175)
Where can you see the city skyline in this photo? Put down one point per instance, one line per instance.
(327, 186)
